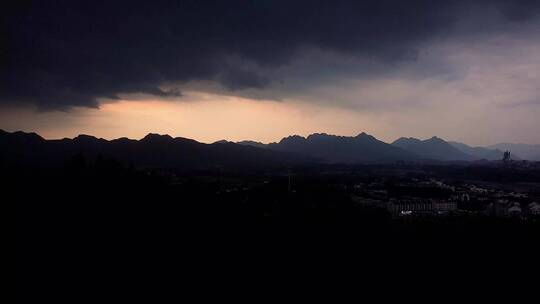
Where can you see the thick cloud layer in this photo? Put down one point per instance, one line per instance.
(72, 53)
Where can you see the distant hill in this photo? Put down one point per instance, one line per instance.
(223, 141)
(20, 149)
(363, 148)
(164, 151)
(523, 151)
(252, 143)
(434, 148)
(478, 152)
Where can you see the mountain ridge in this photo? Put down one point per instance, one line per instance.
(164, 150)
(432, 148)
(343, 149)
(478, 152)
(154, 150)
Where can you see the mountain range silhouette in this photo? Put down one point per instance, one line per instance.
(154, 150)
(433, 148)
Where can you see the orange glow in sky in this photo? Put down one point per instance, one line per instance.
(208, 117)
(201, 116)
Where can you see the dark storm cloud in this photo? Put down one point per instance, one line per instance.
(58, 54)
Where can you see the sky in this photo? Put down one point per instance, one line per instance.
(261, 70)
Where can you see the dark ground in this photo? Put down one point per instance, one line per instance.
(94, 230)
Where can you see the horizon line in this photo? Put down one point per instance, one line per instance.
(262, 142)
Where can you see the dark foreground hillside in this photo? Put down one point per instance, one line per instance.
(93, 226)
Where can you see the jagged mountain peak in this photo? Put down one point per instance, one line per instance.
(364, 135)
(319, 135)
(292, 138)
(151, 137)
(362, 148)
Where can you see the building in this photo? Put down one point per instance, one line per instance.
(444, 206)
(534, 209)
(420, 207)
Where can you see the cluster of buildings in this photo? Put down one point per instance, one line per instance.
(462, 199)
(419, 206)
(506, 208)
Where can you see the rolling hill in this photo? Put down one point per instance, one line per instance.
(434, 148)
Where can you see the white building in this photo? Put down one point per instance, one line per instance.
(534, 209)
